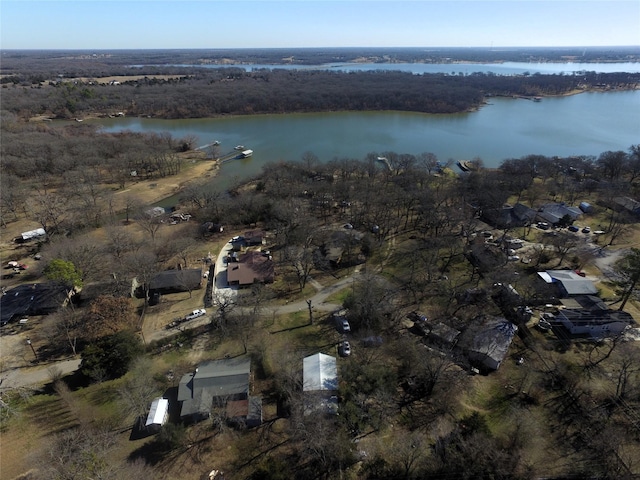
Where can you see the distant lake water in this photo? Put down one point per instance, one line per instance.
(504, 68)
(584, 124)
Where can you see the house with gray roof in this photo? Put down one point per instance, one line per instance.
(594, 323)
(568, 282)
(554, 212)
(487, 345)
(518, 215)
(223, 383)
(626, 203)
(173, 281)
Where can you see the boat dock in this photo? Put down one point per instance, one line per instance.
(237, 153)
(212, 144)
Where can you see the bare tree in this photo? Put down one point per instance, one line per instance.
(49, 210)
(66, 326)
(120, 241)
(138, 390)
(150, 223)
(302, 261)
(628, 271)
(143, 266)
(563, 243)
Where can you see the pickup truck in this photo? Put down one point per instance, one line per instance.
(198, 312)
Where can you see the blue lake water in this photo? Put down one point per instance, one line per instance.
(584, 124)
(504, 68)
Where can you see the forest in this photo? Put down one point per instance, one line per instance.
(418, 248)
(159, 91)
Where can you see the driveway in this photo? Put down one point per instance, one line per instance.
(220, 286)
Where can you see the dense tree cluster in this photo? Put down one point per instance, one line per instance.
(214, 92)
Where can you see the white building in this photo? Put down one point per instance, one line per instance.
(596, 324)
(320, 383)
(158, 414)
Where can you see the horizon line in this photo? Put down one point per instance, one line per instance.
(487, 47)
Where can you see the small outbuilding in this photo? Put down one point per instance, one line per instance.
(444, 335)
(158, 414)
(586, 207)
(31, 235)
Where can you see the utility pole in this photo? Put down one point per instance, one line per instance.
(32, 349)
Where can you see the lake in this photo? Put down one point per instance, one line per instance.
(584, 124)
(465, 68)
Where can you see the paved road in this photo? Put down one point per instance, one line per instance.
(38, 374)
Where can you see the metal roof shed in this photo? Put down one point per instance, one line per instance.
(31, 234)
(319, 373)
(158, 413)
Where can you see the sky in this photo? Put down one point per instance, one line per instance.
(162, 24)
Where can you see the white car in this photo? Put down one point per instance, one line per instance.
(198, 312)
(345, 348)
(344, 325)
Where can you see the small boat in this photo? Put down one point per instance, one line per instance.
(537, 99)
(246, 154)
(239, 147)
(216, 143)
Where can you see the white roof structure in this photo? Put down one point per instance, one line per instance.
(319, 373)
(38, 232)
(158, 412)
(572, 283)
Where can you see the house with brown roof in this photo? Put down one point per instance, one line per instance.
(252, 267)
